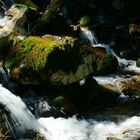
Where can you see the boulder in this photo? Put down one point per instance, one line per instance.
(13, 21)
(49, 59)
(53, 60)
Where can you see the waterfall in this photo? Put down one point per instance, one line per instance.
(89, 37)
(67, 129)
(20, 116)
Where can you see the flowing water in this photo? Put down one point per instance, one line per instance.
(72, 128)
(125, 128)
(67, 129)
(20, 116)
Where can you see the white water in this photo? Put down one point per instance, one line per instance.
(20, 115)
(125, 66)
(67, 129)
(71, 128)
(74, 129)
(88, 36)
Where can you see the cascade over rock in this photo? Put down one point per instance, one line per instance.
(51, 59)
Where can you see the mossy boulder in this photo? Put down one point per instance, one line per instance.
(49, 59)
(55, 60)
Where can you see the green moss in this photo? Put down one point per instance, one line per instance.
(48, 54)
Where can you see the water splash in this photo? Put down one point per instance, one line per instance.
(88, 36)
(67, 129)
(74, 129)
(20, 115)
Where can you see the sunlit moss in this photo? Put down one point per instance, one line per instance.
(45, 54)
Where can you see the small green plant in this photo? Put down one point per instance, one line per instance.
(85, 21)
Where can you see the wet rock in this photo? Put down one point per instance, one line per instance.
(43, 108)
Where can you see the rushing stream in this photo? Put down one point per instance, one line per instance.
(68, 129)
(72, 128)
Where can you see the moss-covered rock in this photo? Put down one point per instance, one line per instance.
(51, 59)
(138, 62)
(55, 60)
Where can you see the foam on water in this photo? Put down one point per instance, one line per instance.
(67, 129)
(74, 129)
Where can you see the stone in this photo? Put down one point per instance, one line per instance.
(54, 60)
(49, 59)
(13, 21)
